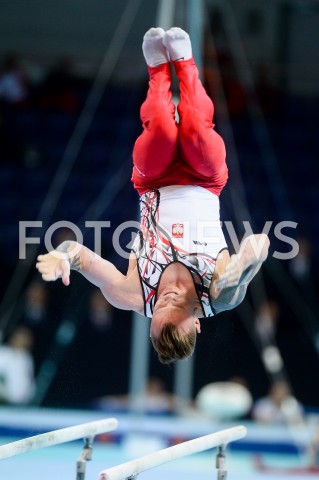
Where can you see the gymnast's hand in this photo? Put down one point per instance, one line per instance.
(53, 266)
(244, 265)
(232, 273)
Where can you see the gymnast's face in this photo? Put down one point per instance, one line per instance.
(175, 306)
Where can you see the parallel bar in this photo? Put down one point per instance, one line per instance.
(57, 436)
(135, 467)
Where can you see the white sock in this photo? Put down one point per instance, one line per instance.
(154, 51)
(178, 44)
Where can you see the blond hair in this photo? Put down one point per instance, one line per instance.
(170, 345)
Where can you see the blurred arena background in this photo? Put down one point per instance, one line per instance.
(72, 78)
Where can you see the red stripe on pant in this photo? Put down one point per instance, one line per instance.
(187, 153)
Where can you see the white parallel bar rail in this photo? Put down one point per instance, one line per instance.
(135, 467)
(55, 437)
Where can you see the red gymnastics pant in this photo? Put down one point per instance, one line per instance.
(186, 153)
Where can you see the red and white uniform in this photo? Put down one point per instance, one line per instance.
(176, 228)
(179, 171)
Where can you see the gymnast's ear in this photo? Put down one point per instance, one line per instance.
(197, 325)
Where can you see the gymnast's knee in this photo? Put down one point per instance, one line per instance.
(164, 129)
(158, 115)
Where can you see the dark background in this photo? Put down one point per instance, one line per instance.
(65, 154)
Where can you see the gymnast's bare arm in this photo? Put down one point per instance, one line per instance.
(234, 273)
(122, 291)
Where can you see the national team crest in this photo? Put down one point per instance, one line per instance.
(178, 230)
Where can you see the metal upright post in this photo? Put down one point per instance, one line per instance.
(86, 455)
(183, 382)
(195, 23)
(140, 348)
(221, 462)
(140, 335)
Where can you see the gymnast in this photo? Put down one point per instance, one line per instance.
(177, 273)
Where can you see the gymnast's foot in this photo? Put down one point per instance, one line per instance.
(154, 51)
(178, 44)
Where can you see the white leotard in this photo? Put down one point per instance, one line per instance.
(178, 224)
